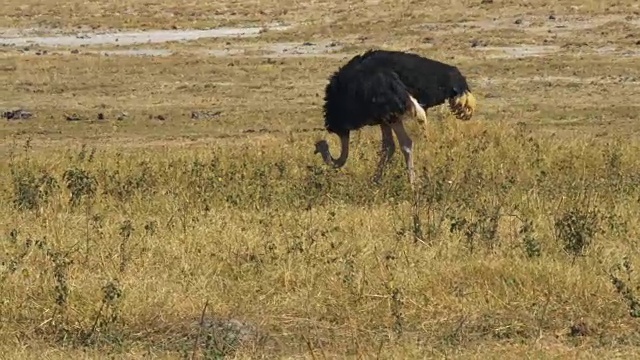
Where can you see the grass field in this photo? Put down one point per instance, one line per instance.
(171, 206)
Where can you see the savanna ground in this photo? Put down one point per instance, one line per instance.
(191, 218)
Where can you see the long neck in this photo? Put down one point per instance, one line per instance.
(344, 153)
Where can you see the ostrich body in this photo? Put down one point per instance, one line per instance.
(386, 88)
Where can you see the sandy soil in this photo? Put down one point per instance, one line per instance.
(16, 37)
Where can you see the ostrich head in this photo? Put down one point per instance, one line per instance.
(322, 148)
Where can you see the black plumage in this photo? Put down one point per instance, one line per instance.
(382, 87)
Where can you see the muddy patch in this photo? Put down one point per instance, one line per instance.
(13, 38)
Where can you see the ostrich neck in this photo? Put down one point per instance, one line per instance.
(344, 153)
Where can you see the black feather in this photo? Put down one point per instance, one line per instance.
(374, 87)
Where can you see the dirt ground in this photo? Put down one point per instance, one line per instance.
(538, 51)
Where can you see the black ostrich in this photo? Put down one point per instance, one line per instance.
(385, 88)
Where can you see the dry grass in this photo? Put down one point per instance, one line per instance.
(308, 255)
(225, 237)
(328, 15)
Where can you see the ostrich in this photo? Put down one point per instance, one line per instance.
(385, 88)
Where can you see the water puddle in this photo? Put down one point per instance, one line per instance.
(132, 37)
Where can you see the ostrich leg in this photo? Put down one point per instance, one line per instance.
(406, 145)
(388, 148)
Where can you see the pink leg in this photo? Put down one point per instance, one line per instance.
(406, 146)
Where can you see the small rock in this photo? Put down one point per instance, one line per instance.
(157, 117)
(18, 114)
(638, 42)
(197, 115)
(73, 117)
(306, 43)
(122, 115)
(475, 43)
(518, 21)
(100, 116)
(486, 2)
(75, 51)
(552, 17)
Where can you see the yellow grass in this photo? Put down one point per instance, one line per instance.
(224, 236)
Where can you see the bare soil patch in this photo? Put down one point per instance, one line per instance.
(15, 37)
